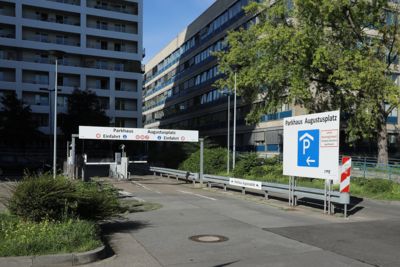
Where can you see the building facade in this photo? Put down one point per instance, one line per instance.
(178, 87)
(179, 93)
(102, 47)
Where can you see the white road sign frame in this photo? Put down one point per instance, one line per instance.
(137, 134)
(311, 146)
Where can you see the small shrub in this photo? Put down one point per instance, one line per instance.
(40, 198)
(96, 202)
(44, 198)
(258, 171)
(214, 161)
(246, 163)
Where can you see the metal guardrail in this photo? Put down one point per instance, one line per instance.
(267, 188)
(175, 173)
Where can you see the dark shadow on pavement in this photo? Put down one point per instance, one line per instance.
(226, 264)
(118, 226)
(122, 226)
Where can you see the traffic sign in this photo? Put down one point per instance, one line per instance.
(137, 134)
(311, 146)
(308, 148)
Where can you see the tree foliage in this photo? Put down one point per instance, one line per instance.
(84, 108)
(17, 126)
(321, 55)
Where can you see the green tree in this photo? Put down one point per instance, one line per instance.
(84, 108)
(322, 55)
(17, 126)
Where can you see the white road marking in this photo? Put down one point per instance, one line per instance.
(197, 195)
(145, 187)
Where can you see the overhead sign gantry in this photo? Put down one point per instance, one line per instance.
(133, 134)
(137, 134)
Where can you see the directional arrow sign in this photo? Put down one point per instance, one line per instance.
(309, 161)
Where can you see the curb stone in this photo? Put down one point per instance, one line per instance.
(70, 259)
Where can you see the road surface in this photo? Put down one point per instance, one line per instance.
(258, 232)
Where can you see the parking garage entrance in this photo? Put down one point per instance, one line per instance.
(118, 168)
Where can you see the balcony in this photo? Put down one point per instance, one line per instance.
(52, 37)
(115, 46)
(70, 2)
(7, 31)
(108, 24)
(48, 15)
(7, 9)
(115, 6)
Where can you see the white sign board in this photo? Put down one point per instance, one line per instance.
(245, 183)
(311, 145)
(137, 134)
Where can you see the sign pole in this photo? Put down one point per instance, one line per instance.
(325, 197)
(290, 189)
(201, 161)
(329, 196)
(294, 188)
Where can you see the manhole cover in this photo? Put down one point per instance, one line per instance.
(209, 238)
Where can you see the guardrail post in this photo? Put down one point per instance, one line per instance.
(243, 190)
(224, 187)
(266, 195)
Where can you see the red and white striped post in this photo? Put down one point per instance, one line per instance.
(345, 183)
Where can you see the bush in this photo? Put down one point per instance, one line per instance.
(246, 163)
(44, 198)
(96, 202)
(22, 238)
(214, 161)
(41, 198)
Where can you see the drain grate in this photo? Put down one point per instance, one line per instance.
(209, 238)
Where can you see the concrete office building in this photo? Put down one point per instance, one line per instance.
(179, 93)
(103, 50)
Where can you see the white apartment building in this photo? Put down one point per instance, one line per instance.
(102, 47)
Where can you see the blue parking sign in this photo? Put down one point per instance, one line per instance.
(308, 149)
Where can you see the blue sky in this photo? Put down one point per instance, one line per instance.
(165, 19)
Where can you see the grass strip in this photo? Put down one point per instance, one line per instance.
(25, 238)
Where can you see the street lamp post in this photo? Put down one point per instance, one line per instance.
(56, 55)
(228, 94)
(55, 119)
(229, 133)
(234, 127)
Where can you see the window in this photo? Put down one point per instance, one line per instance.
(59, 19)
(44, 16)
(103, 84)
(104, 45)
(60, 80)
(118, 85)
(117, 47)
